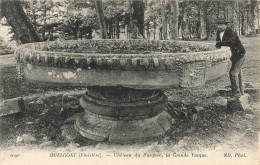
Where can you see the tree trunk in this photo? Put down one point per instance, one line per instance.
(117, 30)
(17, 19)
(164, 22)
(239, 23)
(173, 20)
(202, 21)
(110, 30)
(51, 33)
(130, 20)
(185, 26)
(34, 14)
(148, 31)
(138, 19)
(44, 20)
(235, 17)
(243, 24)
(160, 33)
(75, 34)
(100, 14)
(154, 30)
(251, 18)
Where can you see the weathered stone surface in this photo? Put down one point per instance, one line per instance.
(11, 106)
(127, 66)
(126, 132)
(131, 109)
(118, 131)
(220, 101)
(94, 127)
(69, 132)
(164, 120)
(151, 128)
(238, 104)
(123, 115)
(26, 138)
(46, 144)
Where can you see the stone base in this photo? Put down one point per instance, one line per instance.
(11, 106)
(123, 115)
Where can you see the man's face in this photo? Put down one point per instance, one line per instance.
(221, 27)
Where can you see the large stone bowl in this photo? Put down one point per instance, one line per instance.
(124, 102)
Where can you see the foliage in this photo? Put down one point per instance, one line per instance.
(5, 48)
(77, 19)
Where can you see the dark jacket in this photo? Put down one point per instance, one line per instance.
(231, 39)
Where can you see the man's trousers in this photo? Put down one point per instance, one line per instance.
(236, 76)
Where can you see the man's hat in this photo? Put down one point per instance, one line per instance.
(222, 21)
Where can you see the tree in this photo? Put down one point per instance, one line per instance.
(138, 16)
(164, 21)
(115, 12)
(17, 19)
(100, 14)
(185, 31)
(173, 20)
(152, 18)
(251, 19)
(135, 19)
(202, 20)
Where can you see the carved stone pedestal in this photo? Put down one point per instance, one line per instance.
(123, 115)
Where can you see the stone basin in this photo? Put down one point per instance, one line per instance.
(141, 64)
(124, 102)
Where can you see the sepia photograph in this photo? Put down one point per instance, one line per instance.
(156, 82)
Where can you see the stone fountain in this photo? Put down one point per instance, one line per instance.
(124, 101)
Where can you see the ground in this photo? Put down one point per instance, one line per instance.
(213, 130)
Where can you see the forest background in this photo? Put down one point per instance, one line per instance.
(41, 20)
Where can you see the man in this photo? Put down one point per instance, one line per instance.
(227, 37)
